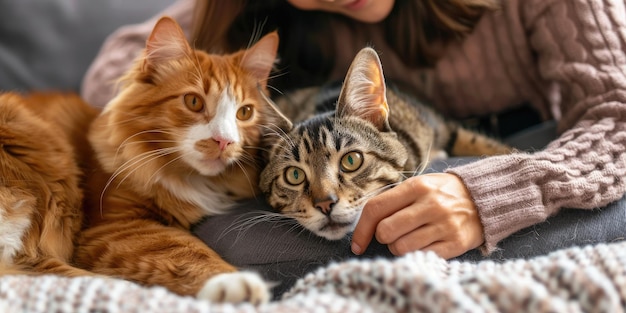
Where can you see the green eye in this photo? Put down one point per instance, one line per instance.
(294, 175)
(351, 161)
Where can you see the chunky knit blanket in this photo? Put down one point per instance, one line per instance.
(585, 279)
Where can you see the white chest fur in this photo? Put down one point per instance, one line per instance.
(13, 225)
(199, 191)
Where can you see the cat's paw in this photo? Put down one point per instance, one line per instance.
(236, 287)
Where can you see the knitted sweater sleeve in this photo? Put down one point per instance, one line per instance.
(121, 48)
(581, 46)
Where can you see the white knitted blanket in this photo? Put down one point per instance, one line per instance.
(589, 279)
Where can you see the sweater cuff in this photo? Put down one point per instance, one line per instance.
(505, 193)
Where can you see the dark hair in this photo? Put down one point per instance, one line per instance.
(411, 28)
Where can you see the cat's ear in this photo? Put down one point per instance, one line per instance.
(166, 42)
(260, 58)
(363, 93)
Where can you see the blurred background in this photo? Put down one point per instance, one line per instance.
(49, 44)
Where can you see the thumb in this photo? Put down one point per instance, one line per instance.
(362, 235)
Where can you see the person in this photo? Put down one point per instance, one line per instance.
(473, 59)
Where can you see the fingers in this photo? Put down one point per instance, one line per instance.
(414, 240)
(432, 212)
(426, 238)
(402, 222)
(443, 219)
(444, 249)
(378, 208)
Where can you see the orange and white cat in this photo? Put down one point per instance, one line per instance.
(180, 141)
(42, 139)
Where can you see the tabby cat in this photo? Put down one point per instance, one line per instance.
(179, 142)
(41, 140)
(327, 166)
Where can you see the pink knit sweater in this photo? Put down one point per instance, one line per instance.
(566, 57)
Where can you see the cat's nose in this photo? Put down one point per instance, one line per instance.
(222, 142)
(326, 205)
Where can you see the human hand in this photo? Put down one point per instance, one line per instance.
(431, 212)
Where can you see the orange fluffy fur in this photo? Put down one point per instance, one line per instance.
(42, 137)
(147, 193)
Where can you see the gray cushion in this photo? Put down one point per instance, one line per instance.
(49, 44)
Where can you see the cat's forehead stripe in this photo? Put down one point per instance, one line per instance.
(208, 76)
(295, 152)
(338, 142)
(216, 75)
(307, 145)
(323, 135)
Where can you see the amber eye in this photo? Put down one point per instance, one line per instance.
(193, 102)
(351, 161)
(245, 113)
(294, 176)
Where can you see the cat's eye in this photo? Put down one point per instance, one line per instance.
(351, 161)
(193, 102)
(245, 113)
(294, 175)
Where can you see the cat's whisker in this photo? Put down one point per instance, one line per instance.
(276, 75)
(197, 75)
(282, 136)
(153, 154)
(254, 37)
(275, 130)
(247, 157)
(245, 173)
(147, 159)
(148, 141)
(301, 230)
(150, 155)
(150, 179)
(424, 163)
(372, 193)
(244, 223)
(125, 142)
(257, 148)
(139, 158)
(274, 88)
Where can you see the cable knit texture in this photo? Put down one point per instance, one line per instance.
(589, 279)
(565, 57)
(578, 47)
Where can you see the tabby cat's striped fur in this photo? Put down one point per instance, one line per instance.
(327, 166)
(179, 142)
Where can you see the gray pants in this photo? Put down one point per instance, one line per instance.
(283, 252)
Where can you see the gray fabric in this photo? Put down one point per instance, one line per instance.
(533, 138)
(49, 44)
(282, 251)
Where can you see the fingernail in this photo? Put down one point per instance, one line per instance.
(356, 249)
